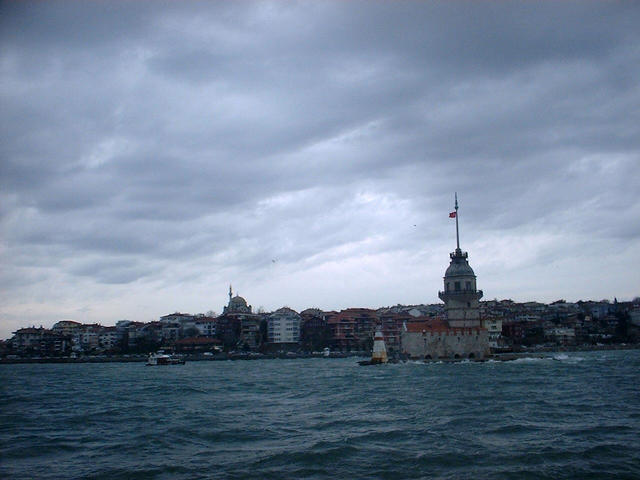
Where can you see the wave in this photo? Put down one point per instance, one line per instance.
(562, 357)
(531, 359)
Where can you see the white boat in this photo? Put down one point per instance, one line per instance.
(161, 358)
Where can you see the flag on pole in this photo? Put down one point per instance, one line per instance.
(452, 215)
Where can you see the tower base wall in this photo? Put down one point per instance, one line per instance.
(449, 344)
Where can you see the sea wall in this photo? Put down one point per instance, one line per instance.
(450, 344)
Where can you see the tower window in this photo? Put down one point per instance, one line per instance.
(456, 286)
(467, 286)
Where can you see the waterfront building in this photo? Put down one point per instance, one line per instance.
(132, 332)
(206, 326)
(25, 338)
(177, 317)
(110, 338)
(561, 335)
(494, 331)
(460, 334)
(39, 341)
(149, 333)
(66, 327)
(283, 326)
(352, 329)
(314, 332)
(170, 332)
(88, 337)
(514, 332)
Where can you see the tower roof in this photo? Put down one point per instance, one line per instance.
(459, 265)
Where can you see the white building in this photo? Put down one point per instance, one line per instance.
(494, 330)
(177, 317)
(67, 327)
(88, 337)
(109, 338)
(562, 335)
(283, 326)
(206, 326)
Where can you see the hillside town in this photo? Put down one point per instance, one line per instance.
(510, 326)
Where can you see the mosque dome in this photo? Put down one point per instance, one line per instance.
(238, 301)
(237, 304)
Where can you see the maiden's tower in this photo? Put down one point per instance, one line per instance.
(459, 334)
(460, 295)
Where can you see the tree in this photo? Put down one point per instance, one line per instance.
(622, 328)
(191, 332)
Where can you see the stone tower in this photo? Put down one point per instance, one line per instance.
(460, 295)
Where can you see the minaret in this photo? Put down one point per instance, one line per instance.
(230, 294)
(460, 295)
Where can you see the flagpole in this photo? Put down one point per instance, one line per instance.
(457, 234)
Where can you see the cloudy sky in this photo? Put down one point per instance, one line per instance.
(308, 153)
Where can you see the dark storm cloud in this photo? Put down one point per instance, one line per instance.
(145, 138)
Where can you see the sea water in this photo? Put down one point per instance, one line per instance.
(573, 416)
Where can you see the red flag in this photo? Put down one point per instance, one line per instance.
(452, 215)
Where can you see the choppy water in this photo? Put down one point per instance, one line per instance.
(574, 417)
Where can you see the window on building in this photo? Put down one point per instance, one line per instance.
(456, 286)
(467, 285)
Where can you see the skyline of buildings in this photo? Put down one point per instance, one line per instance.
(461, 328)
(464, 327)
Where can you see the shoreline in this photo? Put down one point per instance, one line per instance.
(190, 357)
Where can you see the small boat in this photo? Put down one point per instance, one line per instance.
(161, 358)
(379, 353)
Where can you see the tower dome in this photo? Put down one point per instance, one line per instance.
(459, 266)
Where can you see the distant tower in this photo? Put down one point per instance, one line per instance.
(460, 295)
(230, 294)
